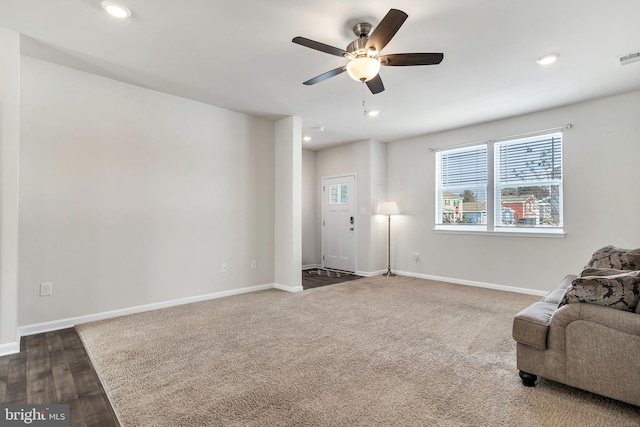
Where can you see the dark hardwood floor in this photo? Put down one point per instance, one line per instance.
(311, 280)
(53, 367)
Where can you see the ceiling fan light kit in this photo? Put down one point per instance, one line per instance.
(364, 52)
(363, 68)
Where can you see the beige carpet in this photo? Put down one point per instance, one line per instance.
(370, 352)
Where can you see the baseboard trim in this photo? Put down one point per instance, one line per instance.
(54, 325)
(311, 266)
(37, 328)
(370, 273)
(474, 283)
(288, 288)
(9, 348)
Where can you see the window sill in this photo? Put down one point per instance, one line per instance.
(519, 233)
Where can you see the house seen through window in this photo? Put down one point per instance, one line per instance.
(523, 192)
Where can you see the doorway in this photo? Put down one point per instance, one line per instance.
(339, 223)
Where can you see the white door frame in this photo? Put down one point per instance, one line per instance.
(355, 208)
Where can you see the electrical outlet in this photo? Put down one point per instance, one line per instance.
(254, 264)
(45, 289)
(416, 256)
(224, 268)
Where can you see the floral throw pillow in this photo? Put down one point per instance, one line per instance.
(620, 291)
(592, 271)
(615, 258)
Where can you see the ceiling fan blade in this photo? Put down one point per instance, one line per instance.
(404, 59)
(319, 46)
(325, 76)
(386, 29)
(375, 85)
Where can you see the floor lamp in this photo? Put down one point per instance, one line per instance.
(388, 209)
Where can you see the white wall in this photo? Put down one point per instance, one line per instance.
(366, 159)
(130, 196)
(288, 204)
(310, 255)
(9, 151)
(601, 198)
(377, 249)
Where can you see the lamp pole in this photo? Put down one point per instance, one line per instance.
(389, 273)
(388, 209)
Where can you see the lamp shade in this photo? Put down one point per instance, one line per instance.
(389, 208)
(363, 68)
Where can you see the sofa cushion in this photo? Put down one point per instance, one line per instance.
(531, 325)
(556, 295)
(615, 258)
(620, 291)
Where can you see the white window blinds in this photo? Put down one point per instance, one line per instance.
(528, 182)
(461, 186)
(524, 175)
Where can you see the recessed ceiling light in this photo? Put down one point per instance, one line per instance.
(547, 59)
(115, 9)
(373, 113)
(306, 138)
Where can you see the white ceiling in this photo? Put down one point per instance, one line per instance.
(238, 55)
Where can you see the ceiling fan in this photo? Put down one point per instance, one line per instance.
(364, 52)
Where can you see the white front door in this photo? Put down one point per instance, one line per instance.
(338, 220)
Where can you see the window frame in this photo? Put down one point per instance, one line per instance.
(465, 155)
(492, 227)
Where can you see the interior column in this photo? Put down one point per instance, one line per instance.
(9, 149)
(288, 204)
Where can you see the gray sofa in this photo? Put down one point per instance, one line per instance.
(584, 345)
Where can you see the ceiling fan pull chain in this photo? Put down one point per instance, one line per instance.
(364, 98)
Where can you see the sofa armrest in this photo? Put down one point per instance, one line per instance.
(623, 321)
(531, 325)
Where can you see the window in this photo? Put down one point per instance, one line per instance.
(461, 186)
(528, 182)
(505, 186)
(339, 194)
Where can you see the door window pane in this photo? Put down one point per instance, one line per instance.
(339, 194)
